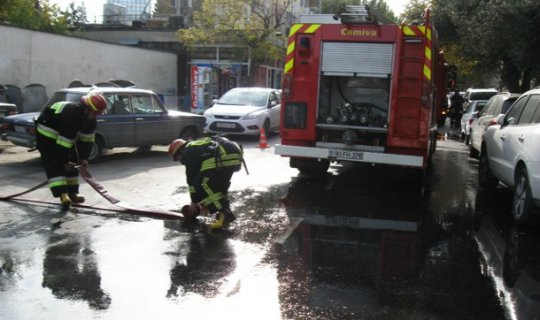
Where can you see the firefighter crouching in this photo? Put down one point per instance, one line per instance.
(64, 137)
(210, 163)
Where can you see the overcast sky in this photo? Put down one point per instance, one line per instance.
(94, 8)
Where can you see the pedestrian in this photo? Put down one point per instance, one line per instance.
(64, 138)
(456, 109)
(210, 163)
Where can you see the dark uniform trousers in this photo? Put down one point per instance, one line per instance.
(64, 134)
(60, 180)
(210, 164)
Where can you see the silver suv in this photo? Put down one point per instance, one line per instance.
(510, 154)
(498, 104)
(479, 94)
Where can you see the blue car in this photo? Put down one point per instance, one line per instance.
(134, 118)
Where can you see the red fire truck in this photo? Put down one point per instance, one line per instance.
(358, 90)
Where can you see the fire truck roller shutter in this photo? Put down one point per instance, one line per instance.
(360, 59)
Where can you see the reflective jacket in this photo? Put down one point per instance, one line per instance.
(210, 153)
(65, 125)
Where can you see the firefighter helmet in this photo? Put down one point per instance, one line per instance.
(95, 101)
(175, 146)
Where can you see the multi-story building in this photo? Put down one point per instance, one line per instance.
(207, 70)
(126, 11)
(133, 7)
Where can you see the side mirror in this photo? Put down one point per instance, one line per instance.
(214, 101)
(503, 121)
(273, 103)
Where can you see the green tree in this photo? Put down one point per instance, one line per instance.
(254, 27)
(164, 7)
(415, 10)
(378, 7)
(33, 14)
(487, 39)
(76, 17)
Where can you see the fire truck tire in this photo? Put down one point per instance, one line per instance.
(310, 166)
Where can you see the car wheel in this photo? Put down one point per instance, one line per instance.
(485, 177)
(189, 134)
(473, 153)
(522, 205)
(97, 151)
(266, 126)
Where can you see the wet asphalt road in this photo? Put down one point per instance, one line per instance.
(358, 243)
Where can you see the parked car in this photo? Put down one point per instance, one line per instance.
(510, 154)
(473, 94)
(472, 109)
(134, 118)
(6, 109)
(245, 111)
(498, 104)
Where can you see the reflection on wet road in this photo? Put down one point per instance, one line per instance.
(358, 243)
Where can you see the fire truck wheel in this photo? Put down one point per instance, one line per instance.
(313, 167)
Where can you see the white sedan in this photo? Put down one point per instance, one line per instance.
(245, 110)
(511, 154)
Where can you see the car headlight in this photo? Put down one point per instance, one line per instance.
(208, 113)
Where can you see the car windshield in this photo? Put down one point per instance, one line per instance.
(64, 96)
(482, 95)
(245, 98)
(479, 107)
(507, 104)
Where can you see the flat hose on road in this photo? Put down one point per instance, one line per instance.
(105, 194)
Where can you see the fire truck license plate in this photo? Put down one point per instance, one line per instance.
(345, 154)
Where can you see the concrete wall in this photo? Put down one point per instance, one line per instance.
(53, 60)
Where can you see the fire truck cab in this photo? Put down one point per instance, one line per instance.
(358, 90)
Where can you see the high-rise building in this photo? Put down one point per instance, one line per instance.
(134, 7)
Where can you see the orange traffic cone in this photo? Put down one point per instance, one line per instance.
(262, 140)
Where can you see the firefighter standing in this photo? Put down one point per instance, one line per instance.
(210, 163)
(64, 137)
(456, 109)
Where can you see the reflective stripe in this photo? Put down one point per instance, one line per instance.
(72, 181)
(289, 65)
(65, 142)
(313, 28)
(53, 134)
(57, 182)
(227, 161)
(200, 142)
(46, 131)
(212, 198)
(59, 106)
(87, 137)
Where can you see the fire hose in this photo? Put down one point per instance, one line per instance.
(85, 174)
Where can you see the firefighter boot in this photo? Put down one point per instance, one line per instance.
(75, 198)
(223, 219)
(65, 201)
